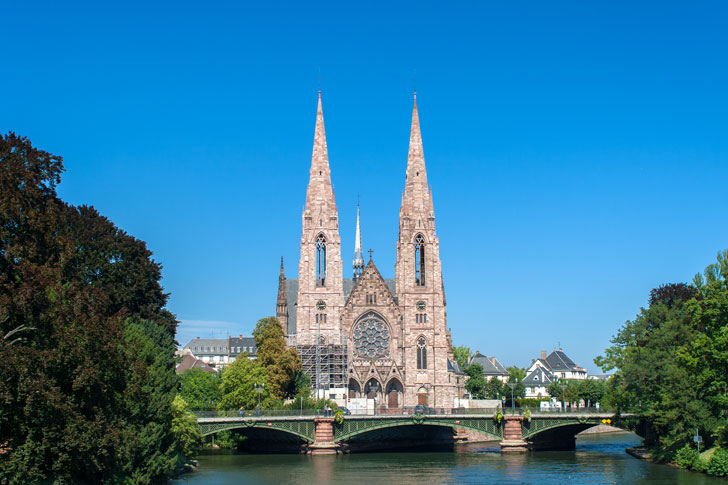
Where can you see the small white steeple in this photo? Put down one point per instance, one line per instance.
(358, 256)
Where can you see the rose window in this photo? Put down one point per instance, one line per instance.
(371, 338)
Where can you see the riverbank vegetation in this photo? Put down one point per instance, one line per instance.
(671, 366)
(87, 381)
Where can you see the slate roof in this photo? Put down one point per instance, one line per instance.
(453, 366)
(559, 361)
(490, 367)
(292, 297)
(539, 377)
(208, 346)
(246, 345)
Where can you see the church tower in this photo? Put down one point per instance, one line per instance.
(282, 302)
(320, 284)
(419, 285)
(358, 264)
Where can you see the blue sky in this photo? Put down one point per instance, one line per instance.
(577, 151)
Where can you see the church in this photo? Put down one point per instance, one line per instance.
(385, 339)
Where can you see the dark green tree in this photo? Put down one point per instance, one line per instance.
(657, 377)
(476, 381)
(76, 295)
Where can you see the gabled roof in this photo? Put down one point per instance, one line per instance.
(491, 366)
(189, 361)
(559, 361)
(539, 377)
(292, 295)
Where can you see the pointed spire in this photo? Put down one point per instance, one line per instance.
(282, 286)
(416, 189)
(320, 191)
(282, 303)
(358, 264)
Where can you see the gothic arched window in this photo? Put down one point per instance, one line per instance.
(421, 353)
(420, 260)
(321, 260)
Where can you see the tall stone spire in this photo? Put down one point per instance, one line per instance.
(320, 270)
(416, 193)
(282, 303)
(319, 192)
(358, 256)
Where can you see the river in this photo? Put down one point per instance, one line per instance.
(598, 458)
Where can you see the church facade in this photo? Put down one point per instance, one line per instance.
(397, 347)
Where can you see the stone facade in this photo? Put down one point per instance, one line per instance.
(399, 347)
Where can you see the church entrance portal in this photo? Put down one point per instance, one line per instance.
(394, 388)
(422, 397)
(354, 389)
(372, 389)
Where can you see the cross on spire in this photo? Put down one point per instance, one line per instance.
(370, 254)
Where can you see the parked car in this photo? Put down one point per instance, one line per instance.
(345, 411)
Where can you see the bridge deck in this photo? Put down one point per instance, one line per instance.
(429, 417)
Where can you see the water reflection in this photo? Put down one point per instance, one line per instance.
(597, 459)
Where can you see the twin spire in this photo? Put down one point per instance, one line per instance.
(320, 191)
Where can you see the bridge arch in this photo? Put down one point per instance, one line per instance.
(301, 430)
(352, 428)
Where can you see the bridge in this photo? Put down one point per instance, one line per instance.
(520, 431)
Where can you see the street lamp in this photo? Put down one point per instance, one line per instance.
(513, 385)
(259, 390)
(562, 385)
(374, 387)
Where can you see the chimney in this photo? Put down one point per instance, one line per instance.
(543, 354)
(492, 360)
(198, 338)
(241, 336)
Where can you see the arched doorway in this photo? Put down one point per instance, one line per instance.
(422, 396)
(354, 389)
(372, 388)
(394, 391)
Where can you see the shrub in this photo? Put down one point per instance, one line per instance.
(718, 464)
(687, 457)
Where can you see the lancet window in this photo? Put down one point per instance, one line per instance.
(420, 260)
(421, 353)
(321, 260)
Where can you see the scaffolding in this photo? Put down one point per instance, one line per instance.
(325, 358)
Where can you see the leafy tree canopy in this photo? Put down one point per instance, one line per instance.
(671, 362)
(462, 355)
(238, 385)
(200, 389)
(85, 340)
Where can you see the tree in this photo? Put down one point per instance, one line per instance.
(462, 355)
(476, 383)
(200, 389)
(495, 389)
(185, 429)
(516, 375)
(86, 391)
(671, 362)
(282, 364)
(238, 385)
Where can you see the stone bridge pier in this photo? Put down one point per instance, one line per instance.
(324, 443)
(513, 435)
